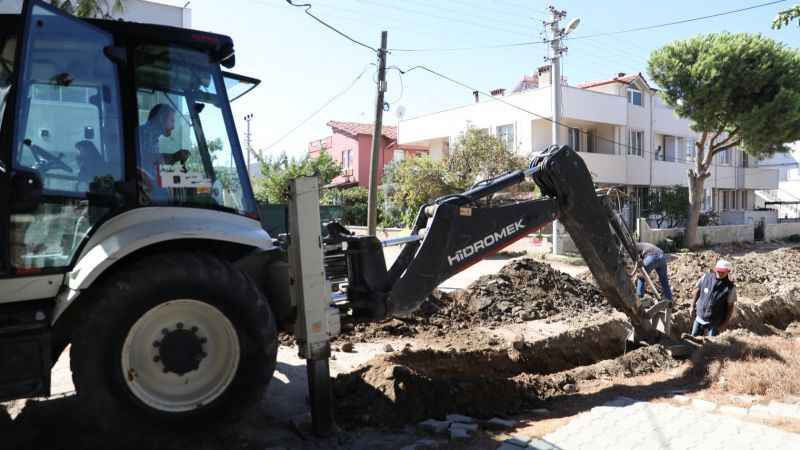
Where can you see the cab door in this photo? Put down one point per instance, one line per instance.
(66, 146)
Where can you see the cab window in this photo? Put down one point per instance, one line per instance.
(67, 138)
(185, 154)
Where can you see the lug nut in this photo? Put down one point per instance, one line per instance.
(194, 329)
(156, 358)
(164, 331)
(157, 344)
(179, 325)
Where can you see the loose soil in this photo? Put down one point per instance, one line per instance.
(484, 381)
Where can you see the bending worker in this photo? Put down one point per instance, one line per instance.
(714, 300)
(654, 259)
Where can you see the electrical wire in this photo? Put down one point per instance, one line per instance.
(307, 7)
(677, 22)
(588, 36)
(318, 110)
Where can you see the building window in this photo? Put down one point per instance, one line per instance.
(347, 161)
(724, 157)
(635, 97)
(635, 142)
(591, 143)
(505, 134)
(575, 139)
(399, 155)
(745, 160)
(690, 149)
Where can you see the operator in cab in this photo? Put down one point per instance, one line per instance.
(160, 122)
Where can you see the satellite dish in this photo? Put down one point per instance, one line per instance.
(572, 25)
(400, 112)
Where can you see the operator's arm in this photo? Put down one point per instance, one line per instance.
(179, 156)
(731, 308)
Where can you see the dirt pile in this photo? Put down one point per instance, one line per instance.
(523, 290)
(758, 271)
(526, 289)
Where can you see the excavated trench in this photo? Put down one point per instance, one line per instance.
(409, 386)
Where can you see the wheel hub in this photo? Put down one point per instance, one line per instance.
(180, 351)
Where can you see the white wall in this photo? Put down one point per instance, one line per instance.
(135, 11)
(611, 115)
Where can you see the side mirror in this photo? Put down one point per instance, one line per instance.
(26, 188)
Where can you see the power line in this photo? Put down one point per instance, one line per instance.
(318, 110)
(678, 22)
(588, 36)
(460, 49)
(447, 18)
(307, 7)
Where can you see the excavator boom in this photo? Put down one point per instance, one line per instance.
(456, 231)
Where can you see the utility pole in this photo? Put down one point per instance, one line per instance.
(557, 34)
(555, 68)
(377, 139)
(247, 137)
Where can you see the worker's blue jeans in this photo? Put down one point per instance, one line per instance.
(708, 329)
(659, 264)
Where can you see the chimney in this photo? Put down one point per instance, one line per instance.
(477, 96)
(498, 92)
(545, 78)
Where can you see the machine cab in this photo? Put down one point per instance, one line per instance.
(100, 117)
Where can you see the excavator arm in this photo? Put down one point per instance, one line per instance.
(456, 231)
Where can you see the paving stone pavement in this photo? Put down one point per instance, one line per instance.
(659, 426)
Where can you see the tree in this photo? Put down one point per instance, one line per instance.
(786, 16)
(414, 182)
(278, 172)
(95, 9)
(739, 90)
(476, 156)
(669, 205)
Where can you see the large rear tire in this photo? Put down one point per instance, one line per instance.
(174, 339)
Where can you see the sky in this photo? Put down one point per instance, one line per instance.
(302, 65)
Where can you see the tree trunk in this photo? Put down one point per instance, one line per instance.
(696, 194)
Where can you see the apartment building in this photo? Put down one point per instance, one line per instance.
(628, 137)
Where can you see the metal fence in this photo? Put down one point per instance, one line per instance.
(275, 217)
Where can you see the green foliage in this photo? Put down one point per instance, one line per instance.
(476, 156)
(742, 88)
(669, 207)
(414, 182)
(354, 203)
(279, 171)
(786, 16)
(96, 9)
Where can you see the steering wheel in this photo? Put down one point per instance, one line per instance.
(45, 160)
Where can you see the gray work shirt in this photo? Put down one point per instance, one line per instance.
(646, 249)
(149, 154)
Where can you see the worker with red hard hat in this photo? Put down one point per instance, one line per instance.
(714, 300)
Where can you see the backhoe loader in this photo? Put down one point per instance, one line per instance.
(129, 230)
